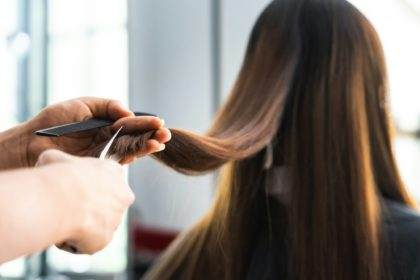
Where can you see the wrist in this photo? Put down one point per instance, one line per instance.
(14, 147)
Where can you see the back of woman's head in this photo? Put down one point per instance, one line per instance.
(313, 85)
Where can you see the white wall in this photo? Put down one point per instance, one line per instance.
(170, 75)
(398, 25)
(237, 20)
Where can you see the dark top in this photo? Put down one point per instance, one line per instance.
(403, 232)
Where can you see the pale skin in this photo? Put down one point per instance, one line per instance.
(73, 200)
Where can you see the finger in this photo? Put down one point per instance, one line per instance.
(106, 108)
(129, 199)
(51, 156)
(162, 135)
(138, 124)
(152, 146)
(127, 160)
(68, 248)
(87, 247)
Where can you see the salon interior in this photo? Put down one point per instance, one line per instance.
(178, 60)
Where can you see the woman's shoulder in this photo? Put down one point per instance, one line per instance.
(403, 224)
(403, 235)
(402, 216)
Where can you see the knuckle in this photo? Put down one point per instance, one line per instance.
(114, 102)
(94, 245)
(46, 157)
(86, 225)
(130, 198)
(91, 250)
(102, 242)
(48, 152)
(83, 99)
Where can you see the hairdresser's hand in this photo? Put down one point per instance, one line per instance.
(26, 147)
(92, 196)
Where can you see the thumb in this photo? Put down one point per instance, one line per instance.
(52, 156)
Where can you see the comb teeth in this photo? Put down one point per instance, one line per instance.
(64, 129)
(74, 127)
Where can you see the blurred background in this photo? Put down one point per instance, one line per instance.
(177, 59)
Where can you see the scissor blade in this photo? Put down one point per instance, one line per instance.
(105, 151)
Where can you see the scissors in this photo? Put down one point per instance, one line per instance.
(105, 151)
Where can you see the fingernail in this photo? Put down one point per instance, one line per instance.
(161, 147)
(162, 121)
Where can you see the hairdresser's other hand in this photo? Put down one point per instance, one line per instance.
(92, 195)
(133, 125)
(81, 144)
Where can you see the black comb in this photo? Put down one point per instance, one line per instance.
(89, 124)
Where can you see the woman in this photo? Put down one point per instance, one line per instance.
(310, 189)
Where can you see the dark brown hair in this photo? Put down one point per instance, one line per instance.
(313, 83)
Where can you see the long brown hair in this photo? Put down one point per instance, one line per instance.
(313, 84)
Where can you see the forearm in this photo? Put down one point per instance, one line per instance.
(32, 212)
(13, 146)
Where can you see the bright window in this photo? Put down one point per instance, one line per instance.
(87, 49)
(11, 54)
(87, 56)
(398, 24)
(9, 57)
